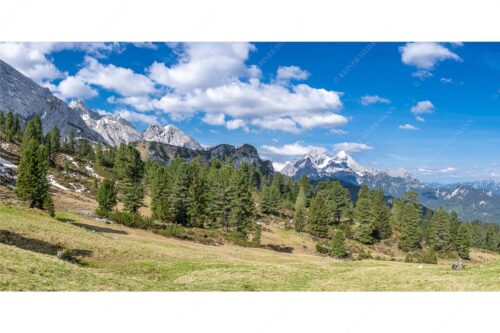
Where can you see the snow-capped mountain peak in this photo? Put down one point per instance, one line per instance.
(113, 128)
(170, 135)
(318, 157)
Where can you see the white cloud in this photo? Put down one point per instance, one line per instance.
(422, 74)
(288, 73)
(292, 149)
(428, 171)
(73, 87)
(423, 107)
(426, 55)
(213, 78)
(235, 124)
(372, 99)
(420, 119)
(445, 80)
(351, 147)
(118, 79)
(408, 127)
(146, 45)
(204, 65)
(338, 131)
(31, 60)
(214, 119)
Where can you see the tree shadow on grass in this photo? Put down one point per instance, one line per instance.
(100, 229)
(280, 248)
(64, 220)
(38, 246)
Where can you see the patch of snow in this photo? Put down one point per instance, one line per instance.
(54, 183)
(91, 171)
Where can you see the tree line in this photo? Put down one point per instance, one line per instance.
(219, 195)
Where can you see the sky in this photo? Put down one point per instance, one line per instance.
(431, 108)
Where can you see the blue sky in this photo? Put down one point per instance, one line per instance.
(432, 108)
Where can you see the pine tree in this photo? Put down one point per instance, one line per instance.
(363, 216)
(55, 139)
(31, 182)
(441, 223)
(463, 241)
(338, 199)
(270, 200)
(32, 131)
(410, 236)
(338, 244)
(299, 220)
(179, 191)
(219, 195)
(380, 214)
(318, 218)
(160, 193)
(106, 196)
(242, 206)
(2, 125)
(72, 143)
(197, 195)
(9, 127)
(129, 168)
(308, 189)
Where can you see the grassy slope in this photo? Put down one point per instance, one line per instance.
(119, 258)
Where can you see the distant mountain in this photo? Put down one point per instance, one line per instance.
(317, 165)
(113, 129)
(170, 135)
(21, 95)
(165, 153)
(475, 200)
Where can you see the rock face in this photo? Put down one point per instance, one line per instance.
(170, 135)
(22, 96)
(165, 153)
(113, 129)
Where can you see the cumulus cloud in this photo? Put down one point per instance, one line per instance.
(292, 149)
(73, 87)
(31, 60)
(123, 81)
(408, 127)
(422, 107)
(204, 65)
(287, 73)
(236, 124)
(351, 147)
(426, 55)
(373, 99)
(214, 119)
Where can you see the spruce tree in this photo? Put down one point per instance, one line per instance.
(2, 125)
(106, 196)
(463, 241)
(197, 195)
(242, 206)
(9, 127)
(71, 143)
(441, 223)
(179, 191)
(219, 196)
(31, 182)
(129, 168)
(160, 193)
(363, 217)
(318, 218)
(380, 214)
(308, 189)
(410, 234)
(32, 131)
(55, 140)
(338, 244)
(299, 220)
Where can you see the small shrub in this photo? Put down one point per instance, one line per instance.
(132, 220)
(66, 255)
(362, 254)
(322, 248)
(429, 257)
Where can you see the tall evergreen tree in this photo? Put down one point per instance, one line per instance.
(32, 131)
(338, 199)
(441, 224)
(299, 220)
(129, 168)
(106, 196)
(463, 241)
(363, 216)
(380, 214)
(179, 191)
(31, 182)
(242, 206)
(308, 189)
(197, 195)
(318, 218)
(410, 234)
(160, 194)
(338, 244)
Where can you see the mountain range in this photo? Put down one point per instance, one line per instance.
(471, 200)
(19, 94)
